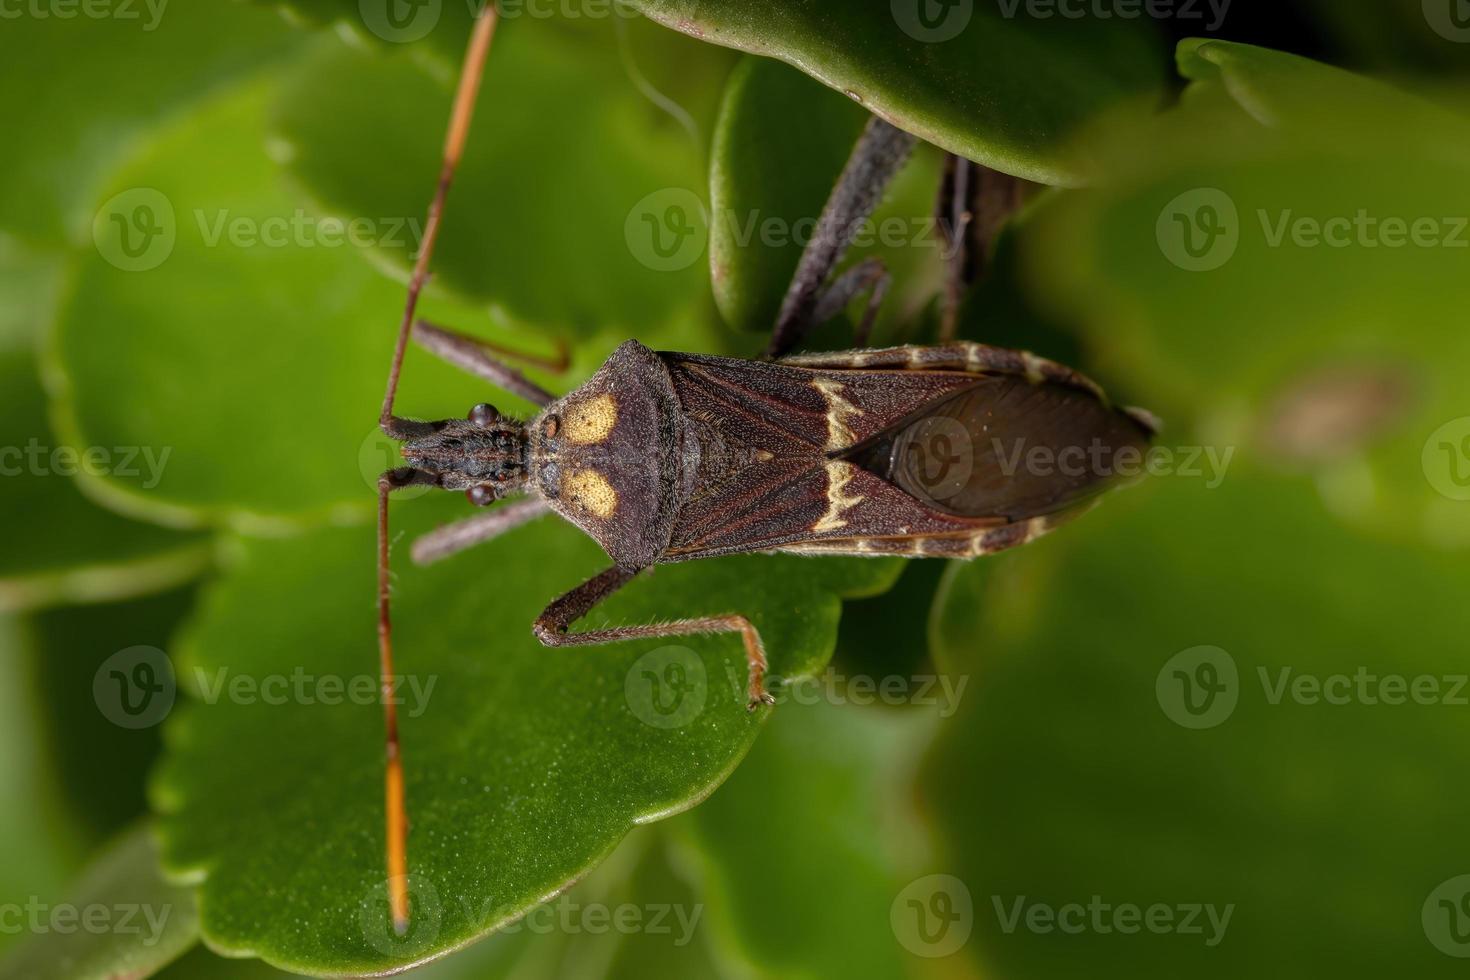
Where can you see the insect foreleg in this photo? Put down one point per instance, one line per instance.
(552, 625)
(472, 356)
(454, 538)
(880, 154)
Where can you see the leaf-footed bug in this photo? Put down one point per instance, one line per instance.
(665, 457)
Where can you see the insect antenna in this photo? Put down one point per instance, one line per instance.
(459, 126)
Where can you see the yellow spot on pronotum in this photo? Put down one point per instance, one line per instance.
(592, 421)
(589, 490)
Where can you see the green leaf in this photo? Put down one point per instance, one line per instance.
(99, 765)
(781, 142)
(1004, 91)
(255, 300)
(534, 226)
(1293, 288)
(1067, 777)
(41, 850)
(289, 308)
(120, 919)
(805, 848)
(525, 766)
(67, 549)
(108, 80)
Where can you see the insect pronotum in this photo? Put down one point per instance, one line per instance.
(665, 457)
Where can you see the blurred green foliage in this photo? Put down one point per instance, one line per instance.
(1236, 689)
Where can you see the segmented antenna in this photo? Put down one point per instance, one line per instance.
(459, 127)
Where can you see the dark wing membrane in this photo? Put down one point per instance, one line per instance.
(847, 454)
(785, 410)
(772, 505)
(1009, 448)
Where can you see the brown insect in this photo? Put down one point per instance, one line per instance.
(665, 457)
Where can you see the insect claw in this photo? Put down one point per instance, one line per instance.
(759, 698)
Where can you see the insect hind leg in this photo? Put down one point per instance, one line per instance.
(553, 625)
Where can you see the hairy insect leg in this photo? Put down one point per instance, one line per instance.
(395, 805)
(552, 627)
(870, 276)
(880, 154)
(974, 204)
(471, 355)
(454, 538)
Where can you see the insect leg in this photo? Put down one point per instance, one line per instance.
(469, 355)
(870, 276)
(395, 806)
(454, 538)
(974, 204)
(552, 625)
(555, 363)
(880, 154)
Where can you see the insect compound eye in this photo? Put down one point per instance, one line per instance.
(484, 415)
(481, 496)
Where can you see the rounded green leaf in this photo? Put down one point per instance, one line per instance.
(780, 145)
(566, 155)
(67, 549)
(819, 811)
(987, 81)
(246, 339)
(1207, 698)
(107, 80)
(524, 765)
(1284, 267)
(121, 919)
